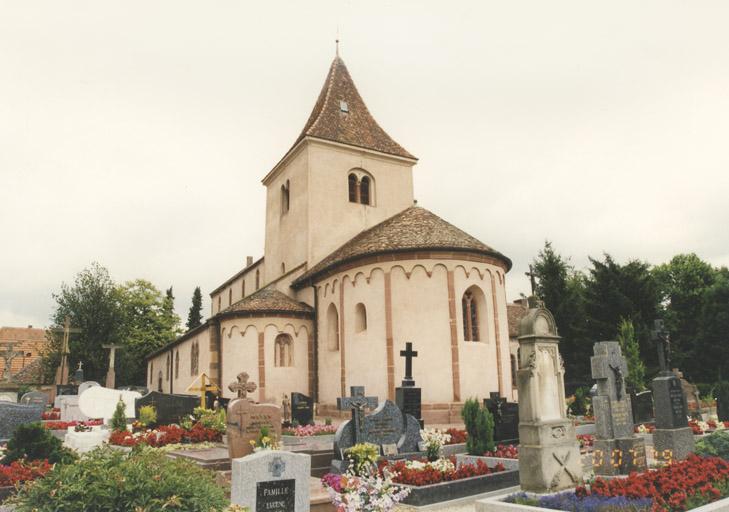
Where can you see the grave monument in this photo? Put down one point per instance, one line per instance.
(246, 418)
(506, 418)
(549, 454)
(12, 415)
(302, 408)
(407, 396)
(169, 408)
(618, 451)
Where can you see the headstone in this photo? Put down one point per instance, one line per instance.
(100, 402)
(408, 396)
(271, 481)
(302, 408)
(549, 454)
(642, 407)
(691, 392)
(673, 438)
(212, 398)
(84, 442)
(9, 396)
(66, 389)
(245, 419)
(357, 402)
(722, 402)
(506, 418)
(86, 385)
(68, 405)
(619, 451)
(170, 408)
(12, 415)
(34, 398)
(385, 426)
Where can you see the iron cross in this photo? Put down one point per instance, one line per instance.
(357, 402)
(9, 355)
(242, 386)
(408, 354)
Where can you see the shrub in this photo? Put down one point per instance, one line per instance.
(119, 418)
(327, 421)
(34, 442)
(212, 419)
(714, 445)
(479, 426)
(147, 415)
(109, 480)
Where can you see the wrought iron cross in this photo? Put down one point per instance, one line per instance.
(661, 335)
(357, 403)
(242, 386)
(408, 354)
(9, 355)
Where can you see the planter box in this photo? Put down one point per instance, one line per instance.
(296, 440)
(447, 491)
(509, 464)
(454, 449)
(495, 504)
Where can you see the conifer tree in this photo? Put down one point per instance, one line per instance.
(635, 381)
(194, 317)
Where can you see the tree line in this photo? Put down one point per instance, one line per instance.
(135, 314)
(613, 301)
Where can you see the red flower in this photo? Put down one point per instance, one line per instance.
(22, 471)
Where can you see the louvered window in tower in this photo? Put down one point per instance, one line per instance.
(364, 190)
(353, 188)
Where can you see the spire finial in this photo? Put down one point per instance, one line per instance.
(336, 41)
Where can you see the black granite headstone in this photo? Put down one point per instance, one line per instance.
(66, 389)
(642, 407)
(302, 408)
(170, 408)
(506, 418)
(409, 401)
(670, 402)
(276, 496)
(211, 398)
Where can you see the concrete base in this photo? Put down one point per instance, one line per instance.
(673, 444)
(619, 456)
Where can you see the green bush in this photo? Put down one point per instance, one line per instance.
(112, 481)
(34, 442)
(714, 445)
(210, 418)
(119, 418)
(480, 427)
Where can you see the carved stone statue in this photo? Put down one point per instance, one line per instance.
(286, 406)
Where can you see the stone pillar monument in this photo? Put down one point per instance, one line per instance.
(549, 455)
(618, 451)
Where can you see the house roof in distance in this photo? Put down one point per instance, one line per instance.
(340, 115)
(268, 300)
(413, 229)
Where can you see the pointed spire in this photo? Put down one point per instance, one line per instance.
(340, 115)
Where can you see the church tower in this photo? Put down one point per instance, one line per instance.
(343, 175)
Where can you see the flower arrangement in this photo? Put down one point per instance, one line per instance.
(434, 441)
(458, 435)
(310, 430)
(504, 451)
(164, 435)
(586, 441)
(645, 429)
(370, 492)
(63, 425)
(423, 472)
(265, 441)
(23, 471)
(363, 457)
(53, 414)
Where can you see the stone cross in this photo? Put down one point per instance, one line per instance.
(357, 403)
(110, 374)
(9, 355)
(661, 335)
(408, 354)
(62, 371)
(242, 386)
(609, 369)
(531, 275)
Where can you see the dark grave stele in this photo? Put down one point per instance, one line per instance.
(672, 436)
(722, 402)
(642, 407)
(66, 389)
(302, 408)
(408, 399)
(210, 399)
(276, 496)
(170, 408)
(506, 418)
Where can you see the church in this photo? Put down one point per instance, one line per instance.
(352, 269)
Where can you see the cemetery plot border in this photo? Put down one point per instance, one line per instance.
(446, 491)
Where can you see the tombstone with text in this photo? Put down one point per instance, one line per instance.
(302, 408)
(246, 418)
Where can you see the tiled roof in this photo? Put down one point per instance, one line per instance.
(31, 374)
(412, 229)
(24, 339)
(514, 313)
(341, 115)
(269, 300)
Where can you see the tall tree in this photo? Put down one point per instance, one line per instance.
(561, 289)
(194, 317)
(630, 347)
(712, 350)
(682, 283)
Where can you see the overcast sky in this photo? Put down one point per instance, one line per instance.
(136, 133)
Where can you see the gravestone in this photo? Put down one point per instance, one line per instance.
(66, 389)
(84, 442)
(618, 451)
(506, 418)
(408, 396)
(12, 415)
(691, 392)
(68, 405)
(100, 403)
(302, 408)
(271, 481)
(642, 407)
(673, 438)
(246, 418)
(211, 398)
(86, 385)
(9, 396)
(170, 408)
(34, 398)
(385, 426)
(549, 454)
(722, 402)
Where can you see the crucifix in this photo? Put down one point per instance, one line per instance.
(62, 371)
(111, 374)
(408, 354)
(242, 386)
(357, 402)
(204, 388)
(9, 355)
(662, 337)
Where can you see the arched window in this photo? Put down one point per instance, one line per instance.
(360, 318)
(285, 195)
(258, 278)
(177, 364)
(514, 368)
(473, 304)
(167, 367)
(283, 351)
(332, 328)
(194, 359)
(353, 188)
(159, 382)
(364, 190)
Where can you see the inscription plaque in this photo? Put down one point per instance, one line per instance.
(276, 496)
